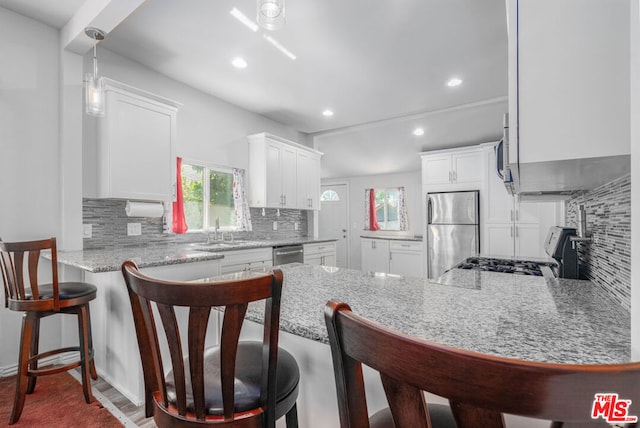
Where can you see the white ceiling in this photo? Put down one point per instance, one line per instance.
(381, 66)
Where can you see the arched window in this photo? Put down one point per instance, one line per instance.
(329, 196)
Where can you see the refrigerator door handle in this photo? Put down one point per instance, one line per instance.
(429, 209)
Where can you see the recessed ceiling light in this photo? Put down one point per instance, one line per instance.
(238, 62)
(454, 82)
(244, 19)
(327, 113)
(418, 132)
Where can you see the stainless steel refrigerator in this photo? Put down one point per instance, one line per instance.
(453, 229)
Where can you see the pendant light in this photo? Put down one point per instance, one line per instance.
(94, 85)
(271, 14)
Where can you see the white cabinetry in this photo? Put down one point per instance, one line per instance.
(452, 169)
(568, 93)
(512, 228)
(323, 254)
(398, 257)
(135, 145)
(406, 258)
(282, 174)
(114, 337)
(308, 180)
(240, 260)
(375, 255)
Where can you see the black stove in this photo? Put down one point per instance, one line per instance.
(518, 267)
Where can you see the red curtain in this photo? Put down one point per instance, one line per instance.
(179, 222)
(373, 219)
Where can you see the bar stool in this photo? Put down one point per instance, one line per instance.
(479, 387)
(23, 292)
(236, 384)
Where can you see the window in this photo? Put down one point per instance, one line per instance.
(329, 196)
(387, 209)
(215, 185)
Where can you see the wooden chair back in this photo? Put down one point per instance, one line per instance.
(19, 266)
(200, 298)
(480, 388)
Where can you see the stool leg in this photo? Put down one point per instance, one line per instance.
(83, 334)
(92, 366)
(28, 321)
(35, 340)
(292, 417)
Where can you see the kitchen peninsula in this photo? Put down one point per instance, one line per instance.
(533, 318)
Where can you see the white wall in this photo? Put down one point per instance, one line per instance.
(357, 186)
(208, 128)
(29, 145)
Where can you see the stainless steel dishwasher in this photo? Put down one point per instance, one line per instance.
(288, 254)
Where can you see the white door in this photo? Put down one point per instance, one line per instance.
(332, 219)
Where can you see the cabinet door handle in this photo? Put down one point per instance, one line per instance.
(455, 176)
(511, 215)
(450, 180)
(511, 230)
(517, 215)
(516, 228)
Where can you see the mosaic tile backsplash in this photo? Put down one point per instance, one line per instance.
(109, 226)
(607, 259)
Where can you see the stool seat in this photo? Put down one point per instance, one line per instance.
(439, 414)
(66, 291)
(247, 379)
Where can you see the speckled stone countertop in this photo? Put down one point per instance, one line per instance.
(393, 237)
(107, 260)
(532, 318)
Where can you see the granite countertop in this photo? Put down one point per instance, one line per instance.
(531, 318)
(110, 259)
(415, 238)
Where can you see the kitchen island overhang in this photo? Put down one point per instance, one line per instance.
(515, 316)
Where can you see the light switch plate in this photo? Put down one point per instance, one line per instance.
(134, 229)
(275, 225)
(87, 231)
(296, 225)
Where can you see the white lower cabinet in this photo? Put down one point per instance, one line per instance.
(240, 260)
(320, 254)
(406, 258)
(114, 336)
(375, 255)
(398, 257)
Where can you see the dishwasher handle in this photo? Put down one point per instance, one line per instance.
(287, 253)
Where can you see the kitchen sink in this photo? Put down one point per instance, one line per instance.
(213, 246)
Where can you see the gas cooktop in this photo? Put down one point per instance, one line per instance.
(518, 267)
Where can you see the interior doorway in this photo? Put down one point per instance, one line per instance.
(333, 220)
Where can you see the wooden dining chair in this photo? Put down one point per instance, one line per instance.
(25, 293)
(236, 384)
(480, 388)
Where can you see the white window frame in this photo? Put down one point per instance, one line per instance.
(383, 225)
(208, 167)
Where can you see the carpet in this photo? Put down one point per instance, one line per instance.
(57, 402)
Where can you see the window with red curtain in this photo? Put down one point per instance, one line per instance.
(179, 222)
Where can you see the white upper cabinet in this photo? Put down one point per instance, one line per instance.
(282, 174)
(455, 169)
(308, 174)
(135, 140)
(568, 93)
